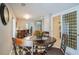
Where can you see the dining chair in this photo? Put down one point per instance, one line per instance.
(51, 41)
(28, 43)
(45, 34)
(14, 46)
(64, 42)
(18, 49)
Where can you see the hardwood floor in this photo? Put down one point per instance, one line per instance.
(54, 51)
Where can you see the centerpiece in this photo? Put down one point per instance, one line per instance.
(38, 34)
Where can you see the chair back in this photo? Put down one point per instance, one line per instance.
(45, 34)
(64, 42)
(50, 43)
(28, 42)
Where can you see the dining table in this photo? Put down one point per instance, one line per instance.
(41, 44)
(37, 45)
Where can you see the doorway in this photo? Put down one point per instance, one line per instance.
(38, 25)
(57, 31)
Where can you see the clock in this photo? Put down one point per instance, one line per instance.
(4, 13)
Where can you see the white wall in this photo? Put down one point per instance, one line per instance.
(78, 31)
(6, 35)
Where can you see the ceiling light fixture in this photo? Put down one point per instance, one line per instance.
(27, 16)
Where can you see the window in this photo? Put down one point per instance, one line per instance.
(70, 27)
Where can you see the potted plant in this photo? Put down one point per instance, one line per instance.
(38, 33)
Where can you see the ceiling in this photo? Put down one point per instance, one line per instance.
(39, 9)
